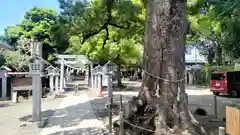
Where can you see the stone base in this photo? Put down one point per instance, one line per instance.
(61, 90)
(39, 124)
(52, 95)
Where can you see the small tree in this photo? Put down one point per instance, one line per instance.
(18, 58)
(15, 59)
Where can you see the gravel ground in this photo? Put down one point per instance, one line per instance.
(14, 118)
(197, 97)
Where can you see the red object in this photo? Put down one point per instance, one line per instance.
(100, 94)
(225, 82)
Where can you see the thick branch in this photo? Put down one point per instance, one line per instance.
(109, 4)
(118, 26)
(85, 37)
(106, 37)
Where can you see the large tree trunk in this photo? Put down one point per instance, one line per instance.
(164, 64)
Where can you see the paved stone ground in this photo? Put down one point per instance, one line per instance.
(14, 118)
(197, 97)
(67, 110)
(75, 113)
(74, 116)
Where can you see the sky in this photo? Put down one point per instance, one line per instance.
(12, 11)
(194, 56)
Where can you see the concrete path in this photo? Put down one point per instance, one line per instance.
(74, 116)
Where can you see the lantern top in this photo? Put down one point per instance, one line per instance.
(50, 68)
(33, 58)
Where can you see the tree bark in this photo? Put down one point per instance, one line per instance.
(164, 58)
(218, 54)
(163, 81)
(119, 80)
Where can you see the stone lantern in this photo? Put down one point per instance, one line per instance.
(111, 67)
(36, 66)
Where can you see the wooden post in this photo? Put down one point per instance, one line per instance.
(121, 117)
(232, 119)
(186, 97)
(215, 106)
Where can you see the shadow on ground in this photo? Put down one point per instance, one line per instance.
(204, 101)
(81, 131)
(100, 105)
(5, 105)
(45, 114)
(67, 119)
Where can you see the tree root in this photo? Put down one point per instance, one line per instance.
(141, 120)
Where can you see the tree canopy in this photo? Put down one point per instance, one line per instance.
(217, 22)
(102, 32)
(114, 29)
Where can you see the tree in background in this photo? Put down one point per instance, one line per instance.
(102, 32)
(36, 24)
(124, 52)
(94, 24)
(217, 22)
(15, 60)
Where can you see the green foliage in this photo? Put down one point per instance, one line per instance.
(35, 24)
(126, 51)
(211, 69)
(220, 24)
(3, 39)
(15, 59)
(92, 25)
